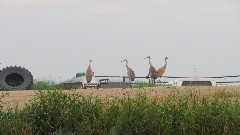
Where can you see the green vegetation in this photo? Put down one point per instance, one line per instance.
(196, 83)
(59, 113)
(80, 74)
(44, 85)
(1, 101)
(14, 82)
(145, 84)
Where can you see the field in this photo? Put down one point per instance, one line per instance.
(20, 97)
(162, 110)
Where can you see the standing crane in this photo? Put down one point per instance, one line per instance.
(162, 69)
(130, 72)
(152, 71)
(89, 73)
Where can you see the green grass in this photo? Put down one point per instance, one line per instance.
(1, 100)
(145, 84)
(59, 113)
(44, 85)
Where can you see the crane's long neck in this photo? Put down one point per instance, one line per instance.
(89, 65)
(150, 62)
(165, 65)
(127, 65)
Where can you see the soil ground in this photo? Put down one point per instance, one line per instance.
(20, 97)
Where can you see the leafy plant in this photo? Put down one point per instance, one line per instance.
(57, 112)
(44, 85)
(145, 84)
(1, 100)
(80, 74)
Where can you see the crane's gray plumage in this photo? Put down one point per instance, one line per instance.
(130, 72)
(152, 71)
(162, 69)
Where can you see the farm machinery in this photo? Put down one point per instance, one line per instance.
(15, 77)
(80, 82)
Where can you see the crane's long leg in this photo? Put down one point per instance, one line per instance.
(130, 85)
(152, 79)
(147, 76)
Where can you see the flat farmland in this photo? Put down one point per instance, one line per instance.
(18, 98)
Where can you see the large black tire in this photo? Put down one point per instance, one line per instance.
(12, 78)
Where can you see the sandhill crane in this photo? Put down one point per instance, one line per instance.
(130, 72)
(89, 73)
(162, 69)
(152, 71)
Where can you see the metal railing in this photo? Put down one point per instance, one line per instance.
(172, 77)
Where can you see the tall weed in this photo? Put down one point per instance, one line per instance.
(56, 112)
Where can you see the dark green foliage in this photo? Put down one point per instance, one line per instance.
(2, 103)
(145, 84)
(44, 85)
(59, 113)
(80, 74)
(11, 123)
(53, 110)
(132, 117)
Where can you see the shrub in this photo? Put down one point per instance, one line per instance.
(80, 74)
(144, 84)
(44, 85)
(56, 112)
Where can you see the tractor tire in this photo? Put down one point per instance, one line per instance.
(16, 78)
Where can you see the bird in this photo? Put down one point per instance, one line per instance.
(130, 72)
(152, 71)
(89, 73)
(162, 69)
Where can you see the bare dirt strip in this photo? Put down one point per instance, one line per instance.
(18, 98)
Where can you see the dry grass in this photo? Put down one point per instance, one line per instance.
(20, 97)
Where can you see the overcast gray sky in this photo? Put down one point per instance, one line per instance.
(59, 37)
